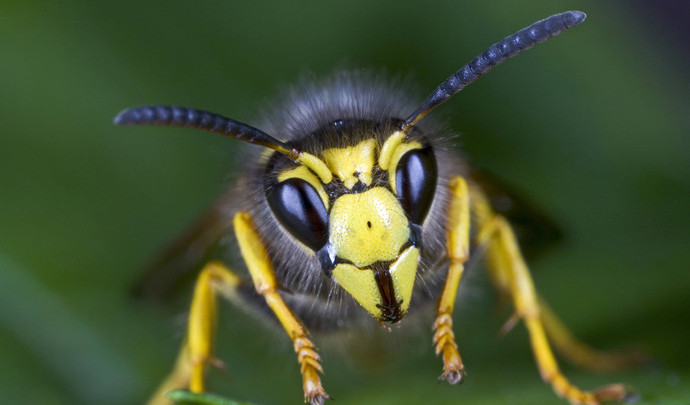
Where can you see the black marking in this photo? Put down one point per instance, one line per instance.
(390, 307)
(360, 187)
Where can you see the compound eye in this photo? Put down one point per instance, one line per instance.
(415, 182)
(300, 210)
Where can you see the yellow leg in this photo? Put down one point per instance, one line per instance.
(458, 229)
(196, 353)
(511, 273)
(583, 355)
(261, 271)
(567, 345)
(215, 278)
(178, 378)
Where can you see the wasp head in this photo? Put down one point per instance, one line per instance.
(365, 225)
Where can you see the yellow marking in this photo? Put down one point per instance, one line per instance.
(395, 158)
(353, 162)
(302, 172)
(403, 272)
(368, 227)
(317, 166)
(389, 147)
(361, 284)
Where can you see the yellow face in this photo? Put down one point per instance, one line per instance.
(366, 229)
(366, 236)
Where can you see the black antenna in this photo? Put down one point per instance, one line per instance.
(175, 116)
(497, 53)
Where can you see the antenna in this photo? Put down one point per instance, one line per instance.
(497, 53)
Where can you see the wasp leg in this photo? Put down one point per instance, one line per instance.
(215, 278)
(511, 275)
(261, 271)
(583, 355)
(458, 252)
(196, 353)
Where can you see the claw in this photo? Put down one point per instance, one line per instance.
(316, 398)
(454, 377)
(615, 393)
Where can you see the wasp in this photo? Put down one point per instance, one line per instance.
(356, 208)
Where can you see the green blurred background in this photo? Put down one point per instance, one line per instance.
(592, 125)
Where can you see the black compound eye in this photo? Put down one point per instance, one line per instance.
(415, 182)
(300, 210)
